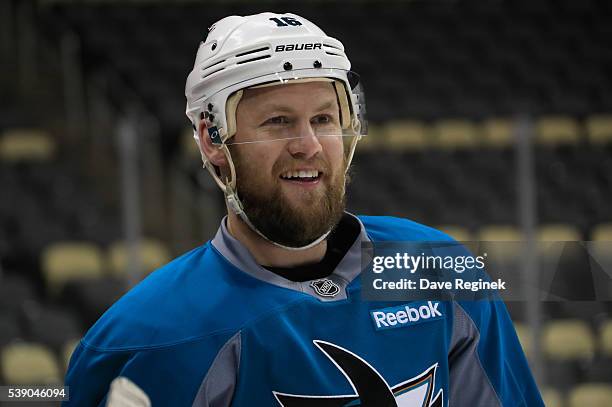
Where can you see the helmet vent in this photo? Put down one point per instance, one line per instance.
(255, 55)
(212, 72)
(252, 51)
(333, 50)
(213, 64)
(332, 46)
(253, 59)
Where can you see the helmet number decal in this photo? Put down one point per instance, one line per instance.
(286, 21)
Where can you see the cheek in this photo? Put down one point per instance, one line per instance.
(335, 148)
(257, 159)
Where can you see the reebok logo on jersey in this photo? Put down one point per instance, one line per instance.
(405, 315)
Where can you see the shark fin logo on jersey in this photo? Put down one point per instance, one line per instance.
(369, 387)
(325, 287)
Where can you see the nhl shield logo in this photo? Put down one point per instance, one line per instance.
(325, 287)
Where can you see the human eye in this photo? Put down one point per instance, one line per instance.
(326, 119)
(276, 120)
(323, 119)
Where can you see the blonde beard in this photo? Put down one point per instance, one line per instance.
(279, 219)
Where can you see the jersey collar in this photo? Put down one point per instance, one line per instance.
(348, 268)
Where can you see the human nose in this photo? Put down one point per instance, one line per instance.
(307, 144)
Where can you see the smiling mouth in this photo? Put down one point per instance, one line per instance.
(301, 176)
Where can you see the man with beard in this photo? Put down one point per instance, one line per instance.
(269, 312)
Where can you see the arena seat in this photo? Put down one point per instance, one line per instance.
(601, 251)
(602, 232)
(592, 395)
(524, 334)
(497, 133)
(375, 139)
(26, 145)
(553, 238)
(65, 261)
(558, 233)
(605, 338)
(408, 135)
(599, 129)
(459, 233)
(67, 351)
(552, 397)
(570, 339)
(29, 363)
(557, 130)
(501, 233)
(454, 134)
(153, 254)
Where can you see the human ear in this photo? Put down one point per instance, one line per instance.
(212, 152)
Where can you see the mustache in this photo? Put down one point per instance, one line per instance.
(287, 164)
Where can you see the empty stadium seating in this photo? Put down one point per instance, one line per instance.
(29, 363)
(497, 133)
(404, 135)
(552, 398)
(606, 339)
(525, 337)
(599, 129)
(67, 351)
(65, 261)
(568, 340)
(456, 134)
(26, 145)
(152, 255)
(591, 394)
(569, 346)
(557, 130)
(459, 233)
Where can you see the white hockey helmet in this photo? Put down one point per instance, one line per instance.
(264, 50)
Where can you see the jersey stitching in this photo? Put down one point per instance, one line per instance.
(247, 323)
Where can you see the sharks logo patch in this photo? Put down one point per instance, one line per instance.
(369, 387)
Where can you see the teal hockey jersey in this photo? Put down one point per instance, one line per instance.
(214, 328)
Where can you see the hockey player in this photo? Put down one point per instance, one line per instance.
(269, 312)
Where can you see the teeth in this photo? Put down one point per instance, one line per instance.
(300, 174)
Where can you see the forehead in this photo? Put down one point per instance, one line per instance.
(293, 94)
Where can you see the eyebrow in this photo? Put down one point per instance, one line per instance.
(284, 108)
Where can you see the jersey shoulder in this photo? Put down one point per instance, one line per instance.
(390, 228)
(195, 296)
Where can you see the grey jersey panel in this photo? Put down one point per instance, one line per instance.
(237, 254)
(469, 384)
(217, 388)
